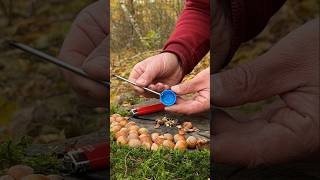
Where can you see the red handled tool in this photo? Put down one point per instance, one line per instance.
(86, 158)
(139, 111)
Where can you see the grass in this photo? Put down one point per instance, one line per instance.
(138, 163)
(13, 152)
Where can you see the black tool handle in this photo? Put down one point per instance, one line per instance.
(57, 62)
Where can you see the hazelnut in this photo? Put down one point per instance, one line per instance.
(154, 147)
(154, 136)
(134, 132)
(181, 145)
(118, 119)
(115, 115)
(133, 136)
(187, 125)
(19, 171)
(134, 127)
(159, 140)
(179, 137)
(181, 132)
(168, 136)
(120, 133)
(191, 142)
(122, 140)
(143, 131)
(146, 145)
(134, 143)
(112, 119)
(145, 137)
(131, 123)
(115, 128)
(123, 122)
(168, 144)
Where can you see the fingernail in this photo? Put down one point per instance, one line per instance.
(141, 81)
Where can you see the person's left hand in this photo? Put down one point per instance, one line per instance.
(200, 85)
(285, 131)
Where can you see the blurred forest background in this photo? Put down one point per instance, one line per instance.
(139, 29)
(34, 98)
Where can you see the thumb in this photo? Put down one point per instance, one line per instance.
(200, 81)
(185, 88)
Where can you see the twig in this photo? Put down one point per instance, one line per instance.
(125, 164)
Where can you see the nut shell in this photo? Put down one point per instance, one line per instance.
(120, 133)
(122, 140)
(154, 147)
(143, 131)
(123, 122)
(179, 137)
(154, 136)
(187, 125)
(191, 142)
(19, 171)
(134, 143)
(146, 145)
(168, 136)
(133, 136)
(134, 127)
(115, 128)
(181, 145)
(159, 140)
(168, 144)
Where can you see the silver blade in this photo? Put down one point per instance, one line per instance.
(133, 83)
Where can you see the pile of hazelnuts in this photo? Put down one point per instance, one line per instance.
(128, 133)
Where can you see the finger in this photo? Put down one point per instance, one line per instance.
(188, 106)
(187, 87)
(97, 63)
(281, 69)
(134, 75)
(199, 82)
(159, 87)
(287, 136)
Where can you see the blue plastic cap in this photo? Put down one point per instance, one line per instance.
(168, 97)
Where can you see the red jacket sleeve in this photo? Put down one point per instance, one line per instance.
(191, 39)
(249, 18)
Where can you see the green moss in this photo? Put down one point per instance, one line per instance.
(138, 163)
(13, 152)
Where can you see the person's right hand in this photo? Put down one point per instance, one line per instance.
(85, 47)
(158, 73)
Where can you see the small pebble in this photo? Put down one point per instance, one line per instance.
(19, 171)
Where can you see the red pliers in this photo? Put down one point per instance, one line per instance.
(147, 109)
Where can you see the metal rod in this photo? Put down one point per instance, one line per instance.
(57, 62)
(133, 83)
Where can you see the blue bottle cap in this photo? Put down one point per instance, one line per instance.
(168, 97)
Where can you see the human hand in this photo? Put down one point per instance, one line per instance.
(287, 130)
(158, 73)
(200, 87)
(86, 47)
